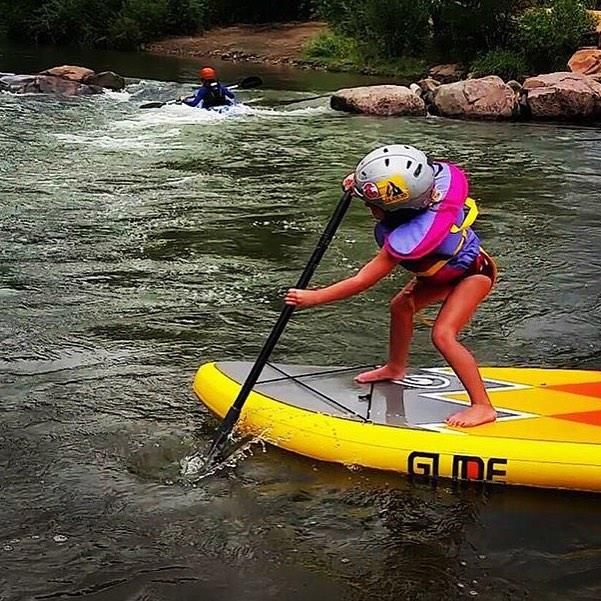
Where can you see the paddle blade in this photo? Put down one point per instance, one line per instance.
(225, 429)
(250, 82)
(156, 104)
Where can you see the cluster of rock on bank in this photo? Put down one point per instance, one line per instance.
(67, 80)
(566, 96)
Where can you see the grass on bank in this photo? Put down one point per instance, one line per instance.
(337, 52)
(525, 38)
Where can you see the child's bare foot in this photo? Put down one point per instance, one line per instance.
(380, 374)
(476, 415)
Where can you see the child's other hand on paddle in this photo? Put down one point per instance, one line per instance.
(349, 181)
(301, 298)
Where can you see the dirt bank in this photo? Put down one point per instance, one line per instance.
(273, 43)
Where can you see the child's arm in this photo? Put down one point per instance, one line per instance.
(371, 273)
(195, 99)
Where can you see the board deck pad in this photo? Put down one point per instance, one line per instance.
(423, 400)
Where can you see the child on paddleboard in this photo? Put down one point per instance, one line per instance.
(423, 215)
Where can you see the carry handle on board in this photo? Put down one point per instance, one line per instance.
(234, 411)
(246, 84)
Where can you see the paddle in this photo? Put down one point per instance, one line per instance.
(157, 104)
(246, 84)
(234, 411)
(297, 100)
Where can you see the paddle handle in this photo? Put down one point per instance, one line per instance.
(234, 411)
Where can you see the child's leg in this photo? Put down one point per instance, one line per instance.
(412, 298)
(458, 308)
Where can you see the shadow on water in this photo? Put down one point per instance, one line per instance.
(135, 247)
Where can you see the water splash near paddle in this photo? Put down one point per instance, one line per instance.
(195, 467)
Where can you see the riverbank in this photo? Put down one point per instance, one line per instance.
(307, 45)
(272, 44)
(313, 45)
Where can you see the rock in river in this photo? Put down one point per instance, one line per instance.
(106, 79)
(71, 72)
(378, 100)
(46, 84)
(483, 98)
(563, 96)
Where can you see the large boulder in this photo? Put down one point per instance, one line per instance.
(586, 61)
(47, 84)
(71, 72)
(65, 87)
(378, 100)
(106, 79)
(484, 98)
(448, 73)
(15, 83)
(563, 95)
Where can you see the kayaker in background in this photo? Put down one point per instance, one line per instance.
(212, 93)
(420, 208)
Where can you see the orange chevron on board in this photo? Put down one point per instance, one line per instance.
(592, 418)
(585, 389)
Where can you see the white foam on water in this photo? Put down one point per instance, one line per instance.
(194, 467)
(123, 141)
(182, 115)
(308, 111)
(160, 129)
(23, 94)
(122, 96)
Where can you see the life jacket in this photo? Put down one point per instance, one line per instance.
(436, 242)
(214, 95)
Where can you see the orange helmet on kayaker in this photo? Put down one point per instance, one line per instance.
(207, 73)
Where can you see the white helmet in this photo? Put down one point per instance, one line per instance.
(395, 177)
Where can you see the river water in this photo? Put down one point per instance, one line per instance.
(137, 245)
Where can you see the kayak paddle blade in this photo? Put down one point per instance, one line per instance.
(153, 105)
(250, 82)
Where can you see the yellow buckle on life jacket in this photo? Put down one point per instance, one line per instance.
(472, 213)
(440, 264)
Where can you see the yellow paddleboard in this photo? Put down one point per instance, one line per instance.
(548, 431)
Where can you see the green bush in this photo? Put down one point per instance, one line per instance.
(343, 16)
(259, 11)
(128, 23)
(140, 21)
(113, 23)
(397, 27)
(389, 28)
(547, 36)
(464, 28)
(341, 52)
(331, 46)
(70, 21)
(507, 64)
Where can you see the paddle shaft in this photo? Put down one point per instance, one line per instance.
(299, 100)
(234, 411)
